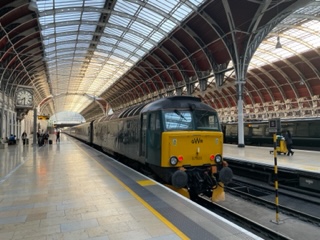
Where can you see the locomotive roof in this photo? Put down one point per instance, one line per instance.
(187, 102)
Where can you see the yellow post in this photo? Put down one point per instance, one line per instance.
(276, 177)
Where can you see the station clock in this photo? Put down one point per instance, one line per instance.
(24, 97)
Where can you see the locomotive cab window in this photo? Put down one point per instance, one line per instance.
(178, 120)
(191, 120)
(205, 120)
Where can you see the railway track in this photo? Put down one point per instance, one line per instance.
(263, 196)
(252, 226)
(293, 202)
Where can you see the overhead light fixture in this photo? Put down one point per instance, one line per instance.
(278, 45)
(33, 6)
(301, 82)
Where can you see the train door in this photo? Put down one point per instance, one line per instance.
(153, 143)
(143, 135)
(90, 132)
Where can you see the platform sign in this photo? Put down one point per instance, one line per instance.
(274, 125)
(43, 117)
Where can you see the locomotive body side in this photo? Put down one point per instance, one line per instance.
(119, 137)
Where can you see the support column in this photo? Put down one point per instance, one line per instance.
(2, 131)
(240, 85)
(35, 130)
(15, 124)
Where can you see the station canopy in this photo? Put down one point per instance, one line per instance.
(89, 56)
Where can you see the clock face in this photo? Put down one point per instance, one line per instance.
(24, 98)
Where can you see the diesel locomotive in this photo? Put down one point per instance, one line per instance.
(179, 139)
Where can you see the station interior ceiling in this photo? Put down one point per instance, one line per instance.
(90, 56)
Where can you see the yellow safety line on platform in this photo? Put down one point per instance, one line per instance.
(146, 182)
(147, 205)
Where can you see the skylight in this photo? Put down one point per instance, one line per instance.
(86, 54)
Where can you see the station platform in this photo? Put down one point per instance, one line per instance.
(301, 159)
(68, 190)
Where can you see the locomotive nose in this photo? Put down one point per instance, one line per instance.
(225, 175)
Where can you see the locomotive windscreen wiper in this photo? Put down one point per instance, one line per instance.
(179, 114)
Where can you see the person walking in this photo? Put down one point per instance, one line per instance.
(58, 136)
(24, 137)
(289, 142)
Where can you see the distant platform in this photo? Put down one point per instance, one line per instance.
(302, 159)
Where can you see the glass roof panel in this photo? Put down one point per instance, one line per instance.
(126, 7)
(148, 45)
(47, 31)
(294, 40)
(140, 52)
(150, 16)
(85, 37)
(88, 28)
(108, 40)
(90, 16)
(118, 20)
(141, 28)
(134, 38)
(168, 25)
(181, 12)
(166, 6)
(135, 59)
(114, 31)
(157, 36)
(105, 48)
(127, 46)
(68, 16)
(121, 53)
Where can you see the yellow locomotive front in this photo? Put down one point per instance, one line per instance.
(192, 147)
(181, 141)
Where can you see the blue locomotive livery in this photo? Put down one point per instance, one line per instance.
(178, 139)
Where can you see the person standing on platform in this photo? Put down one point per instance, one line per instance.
(24, 137)
(289, 142)
(58, 136)
(46, 137)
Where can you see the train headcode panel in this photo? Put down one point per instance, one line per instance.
(274, 125)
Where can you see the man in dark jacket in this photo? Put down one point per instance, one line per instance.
(289, 142)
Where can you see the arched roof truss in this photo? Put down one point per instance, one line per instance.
(128, 51)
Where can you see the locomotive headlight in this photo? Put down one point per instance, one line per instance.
(173, 160)
(218, 159)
